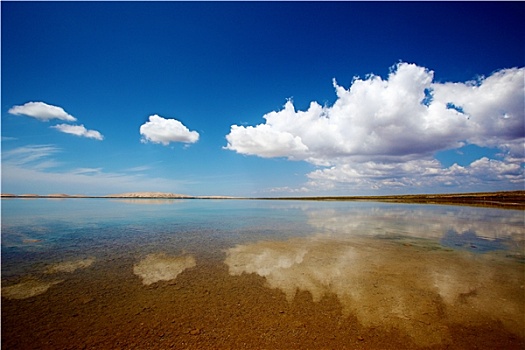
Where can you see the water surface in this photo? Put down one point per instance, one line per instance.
(100, 273)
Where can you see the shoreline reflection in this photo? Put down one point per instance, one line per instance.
(497, 229)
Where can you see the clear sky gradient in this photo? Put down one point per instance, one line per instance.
(262, 99)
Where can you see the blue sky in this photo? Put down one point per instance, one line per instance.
(258, 99)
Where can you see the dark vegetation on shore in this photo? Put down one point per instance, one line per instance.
(507, 199)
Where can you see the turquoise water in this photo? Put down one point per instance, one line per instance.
(36, 230)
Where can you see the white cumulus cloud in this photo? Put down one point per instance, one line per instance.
(164, 131)
(416, 174)
(41, 111)
(388, 130)
(79, 130)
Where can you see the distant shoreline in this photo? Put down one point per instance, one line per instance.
(503, 199)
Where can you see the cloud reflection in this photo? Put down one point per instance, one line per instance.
(31, 286)
(161, 267)
(418, 289)
(28, 288)
(501, 228)
(70, 266)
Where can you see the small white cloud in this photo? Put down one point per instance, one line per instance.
(287, 189)
(79, 130)
(41, 111)
(164, 131)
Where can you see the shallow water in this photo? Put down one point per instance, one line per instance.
(101, 273)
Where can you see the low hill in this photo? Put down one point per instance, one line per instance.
(148, 195)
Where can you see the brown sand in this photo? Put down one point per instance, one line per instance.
(304, 293)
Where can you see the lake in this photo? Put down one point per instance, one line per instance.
(260, 274)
